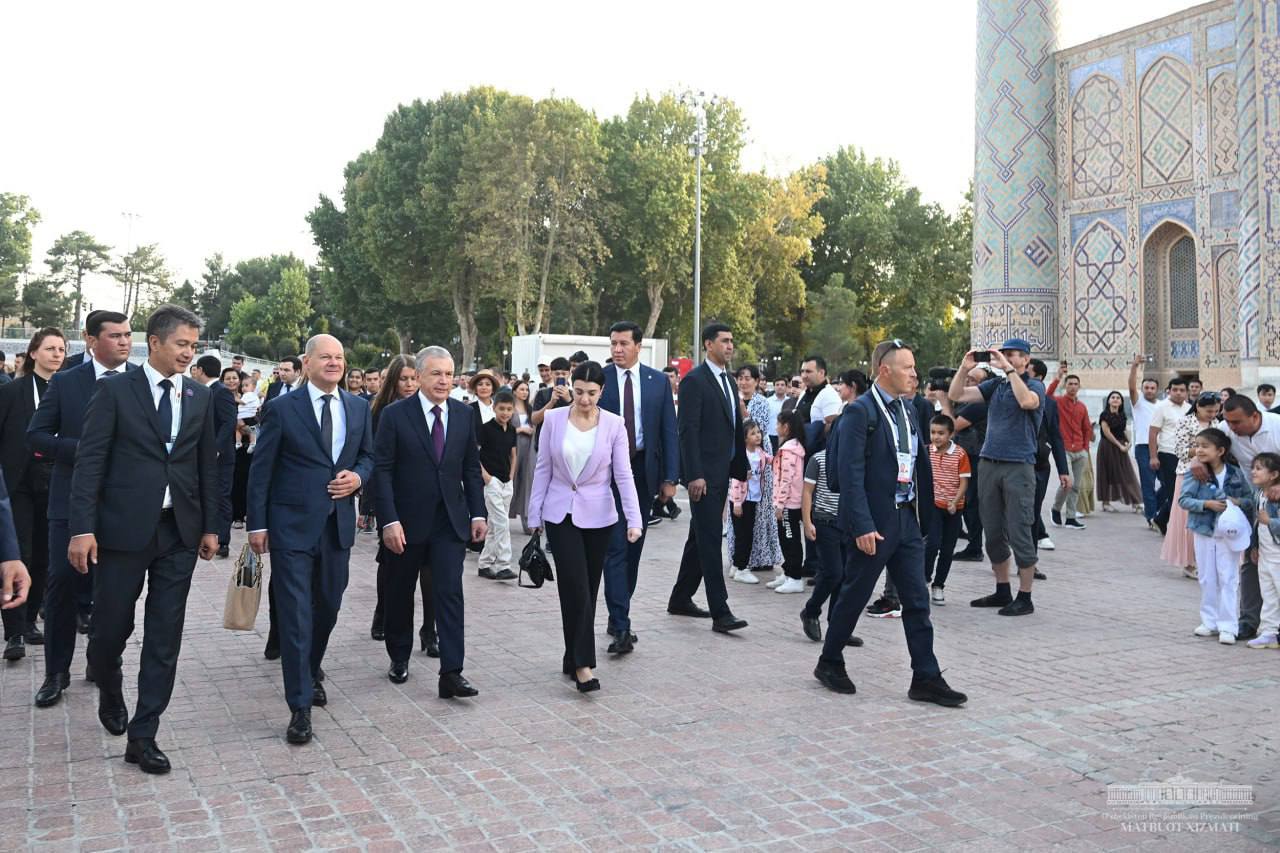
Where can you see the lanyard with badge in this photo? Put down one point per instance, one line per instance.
(905, 459)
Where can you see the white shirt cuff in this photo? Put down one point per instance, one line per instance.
(263, 530)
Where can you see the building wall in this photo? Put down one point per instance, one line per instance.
(1147, 151)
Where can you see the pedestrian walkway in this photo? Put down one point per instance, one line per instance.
(696, 741)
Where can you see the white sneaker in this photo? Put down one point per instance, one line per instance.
(776, 582)
(745, 576)
(1046, 544)
(790, 585)
(1204, 631)
(1227, 639)
(938, 596)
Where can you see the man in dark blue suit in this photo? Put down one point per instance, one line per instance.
(430, 503)
(288, 375)
(642, 397)
(314, 451)
(15, 582)
(54, 433)
(886, 497)
(208, 372)
(709, 426)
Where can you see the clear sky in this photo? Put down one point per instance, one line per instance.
(219, 124)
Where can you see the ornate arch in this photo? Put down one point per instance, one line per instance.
(1174, 349)
(1164, 122)
(1097, 138)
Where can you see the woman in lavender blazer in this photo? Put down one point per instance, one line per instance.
(583, 452)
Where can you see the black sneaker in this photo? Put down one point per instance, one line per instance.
(1040, 576)
(992, 600)
(834, 678)
(937, 691)
(486, 572)
(885, 608)
(1073, 523)
(967, 556)
(1056, 517)
(1018, 607)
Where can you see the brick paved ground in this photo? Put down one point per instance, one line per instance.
(697, 741)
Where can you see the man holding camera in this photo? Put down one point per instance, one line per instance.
(1015, 406)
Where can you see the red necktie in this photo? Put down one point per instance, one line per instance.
(629, 413)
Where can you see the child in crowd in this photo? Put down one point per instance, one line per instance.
(498, 469)
(1267, 396)
(951, 473)
(1265, 475)
(1217, 563)
(820, 510)
(753, 537)
(788, 477)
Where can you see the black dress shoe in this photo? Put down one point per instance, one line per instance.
(51, 690)
(433, 648)
(83, 622)
(687, 608)
(376, 632)
(967, 557)
(937, 691)
(143, 752)
(33, 636)
(299, 731)
(272, 651)
(318, 697)
(505, 575)
(1018, 607)
(854, 641)
(425, 638)
(399, 672)
(727, 624)
(320, 675)
(15, 648)
(834, 678)
(112, 712)
(589, 686)
(224, 551)
(673, 511)
(622, 644)
(812, 627)
(454, 686)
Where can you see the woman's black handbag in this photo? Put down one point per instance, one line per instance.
(534, 563)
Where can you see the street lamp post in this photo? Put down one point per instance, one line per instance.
(699, 102)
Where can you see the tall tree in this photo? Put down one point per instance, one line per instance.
(17, 218)
(74, 256)
(144, 276)
(44, 303)
(280, 317)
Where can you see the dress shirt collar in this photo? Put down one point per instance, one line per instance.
(634, 370)
(316, 393)
(427, 406)
(884, 395)
(99, 368)
(154, 376)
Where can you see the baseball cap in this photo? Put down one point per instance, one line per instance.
(1233, 528)
(1016, 344)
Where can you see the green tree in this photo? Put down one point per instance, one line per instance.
(74, 256)
(17, 218)
(835, 315)
(279, 318)
(144, 276)
(44, 303)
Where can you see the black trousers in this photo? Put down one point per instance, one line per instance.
(443, 552)
(832, 555)
(226, 484)
(166, 565)
(308, 587)
(424, 584)
(580, 554)
(61, 601)
(240, 483)
(972, 517)
(30, 519)
(744, 528)
(901, 552)
(701, 561)
(1038, 531)
(791, 537)
(944, 530)
(1167, 475)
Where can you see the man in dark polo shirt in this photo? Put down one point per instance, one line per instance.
(1015, 406)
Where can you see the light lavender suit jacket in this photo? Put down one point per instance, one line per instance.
(589, 498)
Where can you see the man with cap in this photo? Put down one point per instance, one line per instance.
(1015, 407)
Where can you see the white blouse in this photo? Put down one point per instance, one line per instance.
(577, 448)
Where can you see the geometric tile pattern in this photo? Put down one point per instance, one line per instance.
(1226, 285)
(1182, 210)
(1101, 309)
(1097, 138)
(1268, 137)
(1183, 309)
(1015, 230)
(1224, 210)
(1223, 139)
(1247, 158)
(1165, 123)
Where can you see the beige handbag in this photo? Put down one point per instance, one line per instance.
(244, 592)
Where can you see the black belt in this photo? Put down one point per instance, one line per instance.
(166, 512)
(911, 504)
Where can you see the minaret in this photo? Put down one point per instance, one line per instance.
(1015, 230)
(1249, 236)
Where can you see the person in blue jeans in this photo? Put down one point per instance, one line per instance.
(1144, 405)
(820, 510)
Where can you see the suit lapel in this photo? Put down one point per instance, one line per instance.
(720, 398)
(418, 418)
(300, 399)
(186, 408)
(603, 444)
(142, 390)
(354, 424)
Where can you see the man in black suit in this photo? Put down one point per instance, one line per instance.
(430, 502)
(54, 433)
(886, 497)
(314, 451)
(144, 500)
(711, 451)
(14, 580)
(642, 397)
(208, 372)
(289, 372)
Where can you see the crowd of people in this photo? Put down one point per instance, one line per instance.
(119, 477)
